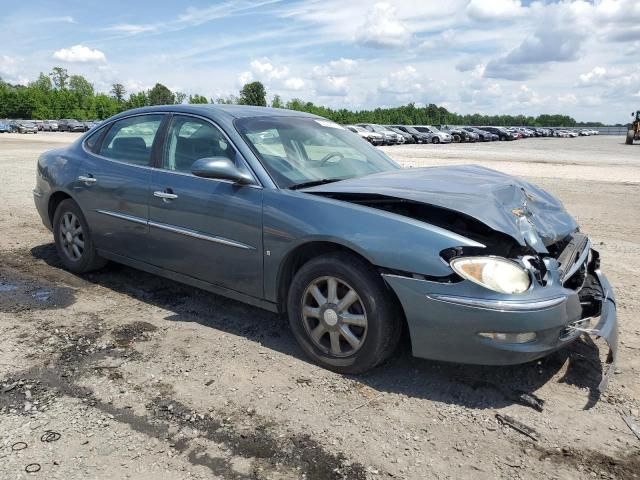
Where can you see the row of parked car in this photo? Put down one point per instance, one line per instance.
(35, 126)
(402, 134)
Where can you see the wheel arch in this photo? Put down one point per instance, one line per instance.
(301, 254)
(56, 199)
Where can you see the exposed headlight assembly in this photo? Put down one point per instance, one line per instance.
(495, 273)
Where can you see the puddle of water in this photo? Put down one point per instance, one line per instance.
(7, 287)
(42, 295)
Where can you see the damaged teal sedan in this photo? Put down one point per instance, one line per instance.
(294, 213)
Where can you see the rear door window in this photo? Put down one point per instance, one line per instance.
(130, 140)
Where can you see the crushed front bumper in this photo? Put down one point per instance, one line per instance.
(445, 319)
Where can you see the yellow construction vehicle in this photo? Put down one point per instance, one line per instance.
(634, 131)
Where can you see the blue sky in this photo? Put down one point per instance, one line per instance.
(487, 56)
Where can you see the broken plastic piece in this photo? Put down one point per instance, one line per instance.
(517, 426)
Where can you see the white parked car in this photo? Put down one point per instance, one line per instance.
(371, 137)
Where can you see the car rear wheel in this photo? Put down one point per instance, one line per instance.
(73, 239)
(342, 314)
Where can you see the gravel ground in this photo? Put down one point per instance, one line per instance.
(145, 378)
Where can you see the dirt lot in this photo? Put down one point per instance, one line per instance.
(144, 378)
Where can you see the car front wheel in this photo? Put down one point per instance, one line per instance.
(342, 314)
(73, 239)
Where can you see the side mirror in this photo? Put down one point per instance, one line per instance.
(220, 168)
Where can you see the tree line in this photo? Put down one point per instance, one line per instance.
(60, 94)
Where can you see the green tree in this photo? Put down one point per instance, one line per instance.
(197, 99)
(228, 100)
(180, 97)
(253, 94)
(104, 106)
(118, 91)
(137, 100)
(80, 86)
(43, 83)
(60, 76)
(160, 95)
(276, 102)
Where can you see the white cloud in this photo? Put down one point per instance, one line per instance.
(266, 70)
(80, 54)
(548, 44)
(594, 76)
(8, 64)
(483, 10)
(569, 98)
(245, 77)
(132, 29)
(11, 70)
(274, 76)
(135, 86)
(447, 39)
(294, 83)
(382, 28)
(62, 19)
(331, 86)
(494, 90)
(403, 81)
(332, 79)
(343, 67)
(467, 64)
(526, 96)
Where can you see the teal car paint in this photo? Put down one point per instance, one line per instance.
(295, 186)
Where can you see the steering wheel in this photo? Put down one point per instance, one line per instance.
(330, 155)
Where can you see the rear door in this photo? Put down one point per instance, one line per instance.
(205, 228)
(113, 184)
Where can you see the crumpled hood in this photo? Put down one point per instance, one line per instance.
(504, 203)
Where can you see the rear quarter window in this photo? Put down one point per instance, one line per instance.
(93, 141)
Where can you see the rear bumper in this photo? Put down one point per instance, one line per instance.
(445, 320)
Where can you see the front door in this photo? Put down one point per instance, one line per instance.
(205, 228)
(113, 185)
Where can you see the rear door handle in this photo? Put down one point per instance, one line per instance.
(87, 180)
(165, 195)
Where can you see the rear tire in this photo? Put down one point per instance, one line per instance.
(73, 239)
(347, 340)
(630, 137)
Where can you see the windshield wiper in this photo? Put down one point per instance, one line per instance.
(313, 183)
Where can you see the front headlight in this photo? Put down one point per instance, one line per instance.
(494, 273)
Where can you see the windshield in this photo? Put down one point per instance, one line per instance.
(378, 128)
(411, 130)
(300, 150)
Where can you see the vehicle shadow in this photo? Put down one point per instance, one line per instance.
(473, 386)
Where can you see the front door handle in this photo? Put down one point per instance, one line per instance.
(87, 180)
(166, 196)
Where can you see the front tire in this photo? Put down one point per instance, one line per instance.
(73, 239)
(342, 314)
(630, 137)
(435, 139)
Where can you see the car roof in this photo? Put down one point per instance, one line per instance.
(221, 110)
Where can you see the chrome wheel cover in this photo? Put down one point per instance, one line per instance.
(71, 236)
(334, 316)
